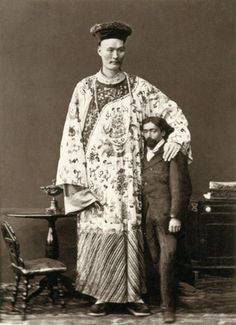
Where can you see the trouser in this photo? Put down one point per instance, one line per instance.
(163, 244)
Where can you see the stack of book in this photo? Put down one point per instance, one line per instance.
(221, 190)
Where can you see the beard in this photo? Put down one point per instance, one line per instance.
(151, 143)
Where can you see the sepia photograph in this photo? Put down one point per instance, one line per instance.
(117, 165)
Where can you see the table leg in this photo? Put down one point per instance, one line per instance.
(52, 246)
(52, 251)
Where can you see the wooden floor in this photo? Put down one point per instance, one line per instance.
(211, 302)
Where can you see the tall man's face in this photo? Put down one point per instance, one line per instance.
(112, 52)
(152, 134)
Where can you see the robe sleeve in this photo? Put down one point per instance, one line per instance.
(72, 162)
(158, 104)
(77, 198)
(71, 171)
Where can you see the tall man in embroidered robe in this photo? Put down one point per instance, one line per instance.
(100, 170)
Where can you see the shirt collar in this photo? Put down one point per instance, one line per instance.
(120, 76)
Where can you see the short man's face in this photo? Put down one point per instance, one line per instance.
(152, 134)
(112, 52)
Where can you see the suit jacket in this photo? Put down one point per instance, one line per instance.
(166, 187)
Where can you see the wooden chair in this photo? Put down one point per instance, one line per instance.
(28, 269)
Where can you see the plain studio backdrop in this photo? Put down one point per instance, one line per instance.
(185, 47)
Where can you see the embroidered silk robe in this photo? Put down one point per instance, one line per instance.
(100, 158)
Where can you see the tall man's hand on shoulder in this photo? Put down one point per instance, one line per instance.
(170, 150)
(174, 225)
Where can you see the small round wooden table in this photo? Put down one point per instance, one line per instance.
(52, 244)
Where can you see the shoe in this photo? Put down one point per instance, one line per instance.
(98, 310)
(138, 309)
(168, 316)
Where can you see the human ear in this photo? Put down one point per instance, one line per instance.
(99, 50)
(163, 133)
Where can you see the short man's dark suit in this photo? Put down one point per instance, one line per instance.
(167, 189)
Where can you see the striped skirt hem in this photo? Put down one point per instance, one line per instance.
(110, 266)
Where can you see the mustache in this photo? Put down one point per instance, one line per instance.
(115, 61)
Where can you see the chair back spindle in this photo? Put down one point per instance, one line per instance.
(12, 244)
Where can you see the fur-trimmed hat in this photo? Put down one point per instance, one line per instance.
(114, 29)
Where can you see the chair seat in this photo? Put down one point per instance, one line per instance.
(41, 266)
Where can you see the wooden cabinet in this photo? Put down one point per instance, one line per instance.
(210, 234)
